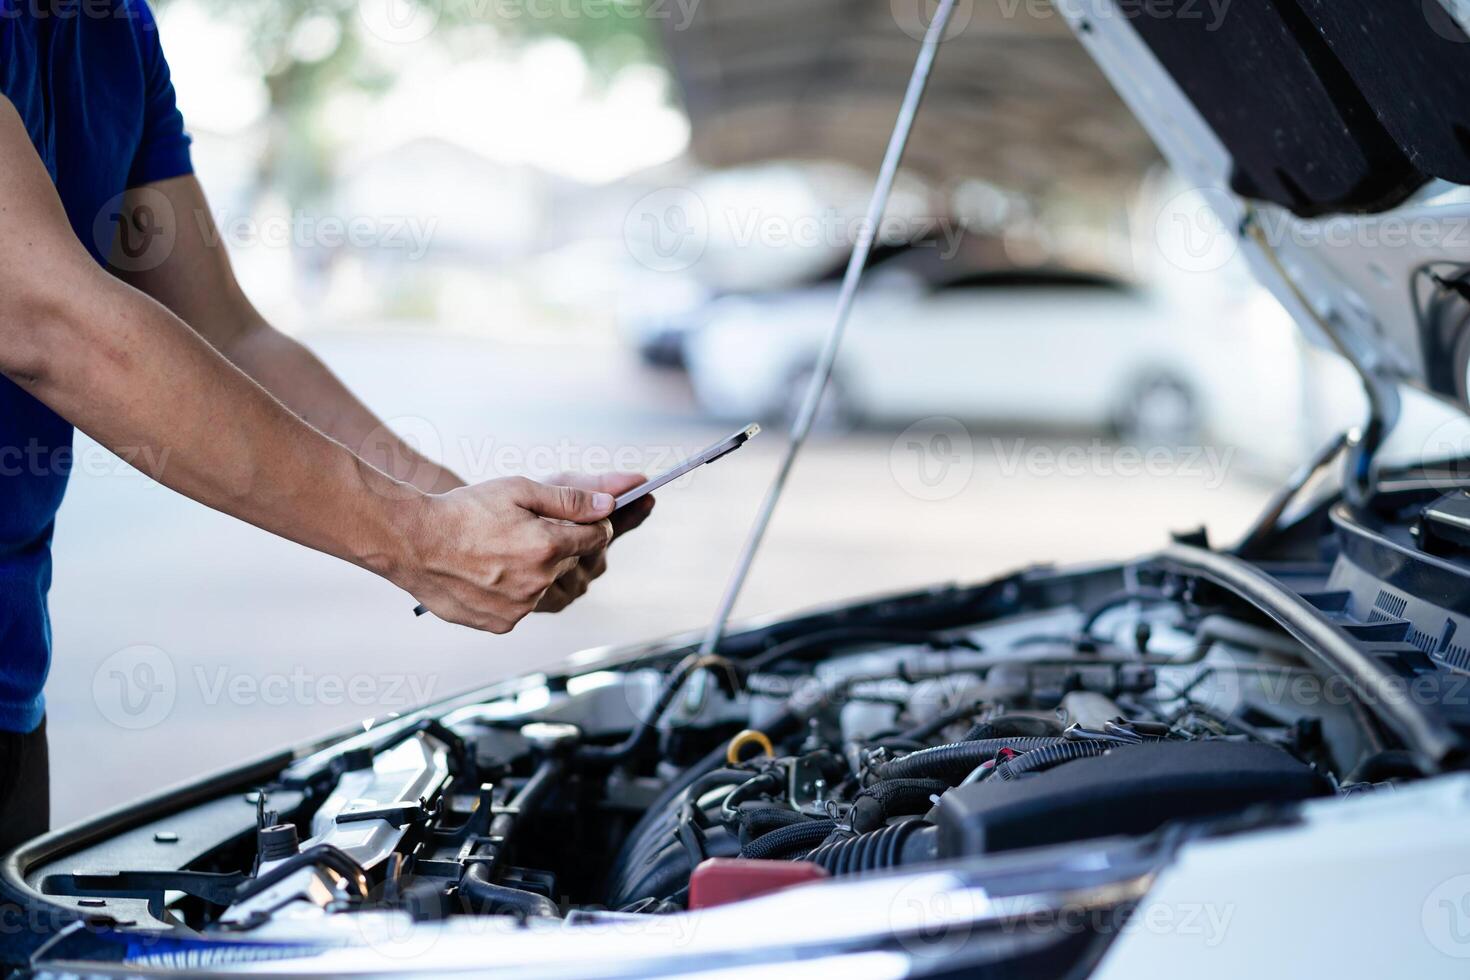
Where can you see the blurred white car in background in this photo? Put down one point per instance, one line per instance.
(1040, 347)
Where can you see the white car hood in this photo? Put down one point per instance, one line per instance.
(1321, 135)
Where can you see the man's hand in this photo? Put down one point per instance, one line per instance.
(486, 555)
(573, 583)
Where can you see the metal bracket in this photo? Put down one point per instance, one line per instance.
(396, 815)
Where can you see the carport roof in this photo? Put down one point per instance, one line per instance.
(1013, 99)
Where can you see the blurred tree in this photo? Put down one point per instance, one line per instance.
(306, 49)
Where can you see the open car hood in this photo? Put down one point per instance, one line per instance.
(1331, 138)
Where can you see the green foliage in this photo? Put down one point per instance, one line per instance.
(611, 33)
(306, 49)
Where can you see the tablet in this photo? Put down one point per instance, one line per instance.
(719, 450)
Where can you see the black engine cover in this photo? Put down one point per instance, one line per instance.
(1132, 789)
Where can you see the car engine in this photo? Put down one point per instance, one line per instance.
(919, 731)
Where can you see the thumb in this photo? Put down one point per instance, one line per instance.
(566, 503)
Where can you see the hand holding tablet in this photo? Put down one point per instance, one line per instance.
(706, 456)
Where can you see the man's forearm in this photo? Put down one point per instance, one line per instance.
(134, 377)
(196, 282)
(130, 371)
(291, 372)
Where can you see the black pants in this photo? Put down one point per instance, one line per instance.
(25, 787)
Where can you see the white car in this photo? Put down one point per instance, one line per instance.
(1039, 347)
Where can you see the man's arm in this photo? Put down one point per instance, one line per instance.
(194, 280)
(133, 376)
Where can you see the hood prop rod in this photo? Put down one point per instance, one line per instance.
(822, 373)
(1384, 404)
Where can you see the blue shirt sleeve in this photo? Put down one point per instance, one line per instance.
(163, 150)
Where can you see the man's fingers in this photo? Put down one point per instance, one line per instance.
(631, 516)
(565, 567)
(571, 584)
(564, 503)
(594, 565)
(574, 540)
(613, 483)
(554, 601)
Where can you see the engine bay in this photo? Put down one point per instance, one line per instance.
(944, 729)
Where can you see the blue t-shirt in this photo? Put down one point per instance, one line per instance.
(89, 81)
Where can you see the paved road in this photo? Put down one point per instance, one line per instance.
(249, 643)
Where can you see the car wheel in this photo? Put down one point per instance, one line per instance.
(836, 413)
(1158, 410)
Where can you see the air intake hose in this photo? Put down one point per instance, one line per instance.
(1048, 757)
(790, 841)
(758, 822)
(910, 842)
(952, 763)
(873, 807)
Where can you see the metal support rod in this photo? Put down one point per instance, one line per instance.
(1384, 401)
(802, 425)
